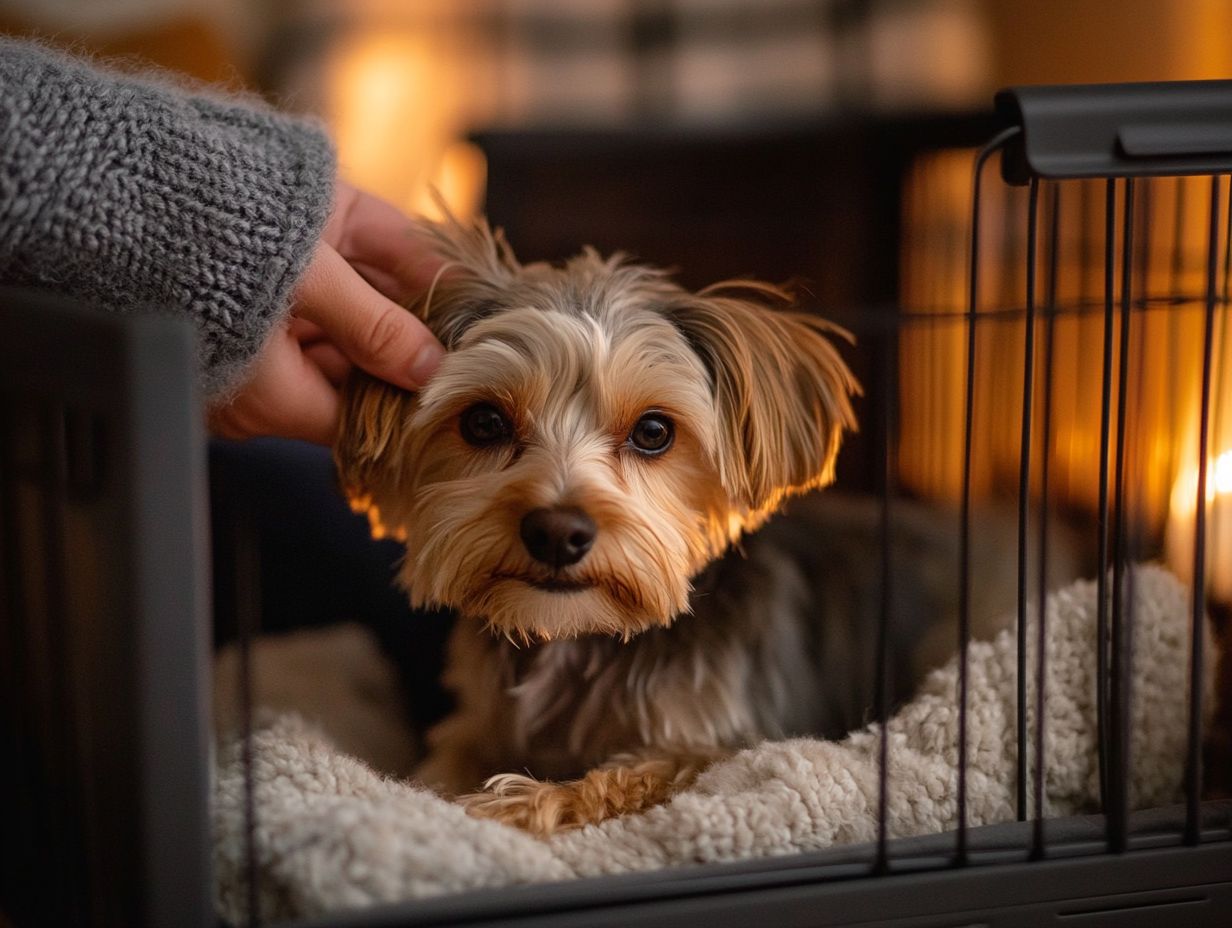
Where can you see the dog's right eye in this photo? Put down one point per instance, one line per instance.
(483, 424)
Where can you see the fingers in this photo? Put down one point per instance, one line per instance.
(374, 234)
(392, 286)
(372, 331)
(287, 394)
(339, 321)
(311, 411)
(317, 348)
(329, 361)
(305, 332)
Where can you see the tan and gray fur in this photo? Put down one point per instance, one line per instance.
(602, 686)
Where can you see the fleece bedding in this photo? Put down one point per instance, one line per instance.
(332, 833)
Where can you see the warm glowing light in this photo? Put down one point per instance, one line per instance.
(397, 117)
(1218, 483)
(1223, 473)
(460, 178)
(1182, 525)
(363, 504)
(380, 92)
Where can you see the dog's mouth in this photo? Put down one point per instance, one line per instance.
(551, 584)
(559, 585)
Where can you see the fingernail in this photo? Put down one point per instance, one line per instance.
(427, 360)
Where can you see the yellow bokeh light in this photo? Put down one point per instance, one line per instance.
(397, 118)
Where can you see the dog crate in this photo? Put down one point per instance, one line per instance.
(1064, 346)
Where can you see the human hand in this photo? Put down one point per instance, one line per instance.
(344, 313)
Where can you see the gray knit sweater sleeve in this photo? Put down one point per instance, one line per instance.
(137, 195)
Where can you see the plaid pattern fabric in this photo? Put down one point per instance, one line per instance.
(689, 61)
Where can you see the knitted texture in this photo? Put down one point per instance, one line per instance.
(136, 195)
(332, 834)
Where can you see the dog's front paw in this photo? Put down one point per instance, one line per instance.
(532, 805)
(544, 808)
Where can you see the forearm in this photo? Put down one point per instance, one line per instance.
(138, 196)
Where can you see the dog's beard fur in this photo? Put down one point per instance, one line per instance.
(574, 355)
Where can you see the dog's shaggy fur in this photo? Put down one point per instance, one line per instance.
(625, 669)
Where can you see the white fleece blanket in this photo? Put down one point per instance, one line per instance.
(332, 834)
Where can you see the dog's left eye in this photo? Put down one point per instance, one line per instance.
(652, 434)
(483, 424)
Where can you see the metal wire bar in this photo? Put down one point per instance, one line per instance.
(889, 394)
(1118, 755)
(27, 463)
(1037, 833)
(247, 609)
(59, 723)
(1132, 521)
(1173, 337)
(1105, 436)
(1224, 393)
(1177, 268)
(1144, 221)
(16, 869)
(1072, 309)
(964, 556)
(1193, 770)
(1086, 206)
(1227, 250)
(1024, 488)
(1124, 655)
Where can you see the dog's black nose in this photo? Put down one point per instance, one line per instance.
(559, 536)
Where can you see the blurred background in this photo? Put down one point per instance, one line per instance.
(824, 142)
(403, 83)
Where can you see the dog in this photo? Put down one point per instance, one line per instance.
(588, 481)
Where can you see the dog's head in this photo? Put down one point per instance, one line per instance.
(594, 437)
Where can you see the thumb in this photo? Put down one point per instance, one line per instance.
(374, 332)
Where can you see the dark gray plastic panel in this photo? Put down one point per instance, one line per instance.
(103, 619)
(1117, 130)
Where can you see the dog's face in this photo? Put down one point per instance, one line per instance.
(594, 437)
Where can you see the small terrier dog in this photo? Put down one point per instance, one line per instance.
(576, 482)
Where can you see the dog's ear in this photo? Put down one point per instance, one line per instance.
(367, 447)
(479, 267)
(782, 391)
